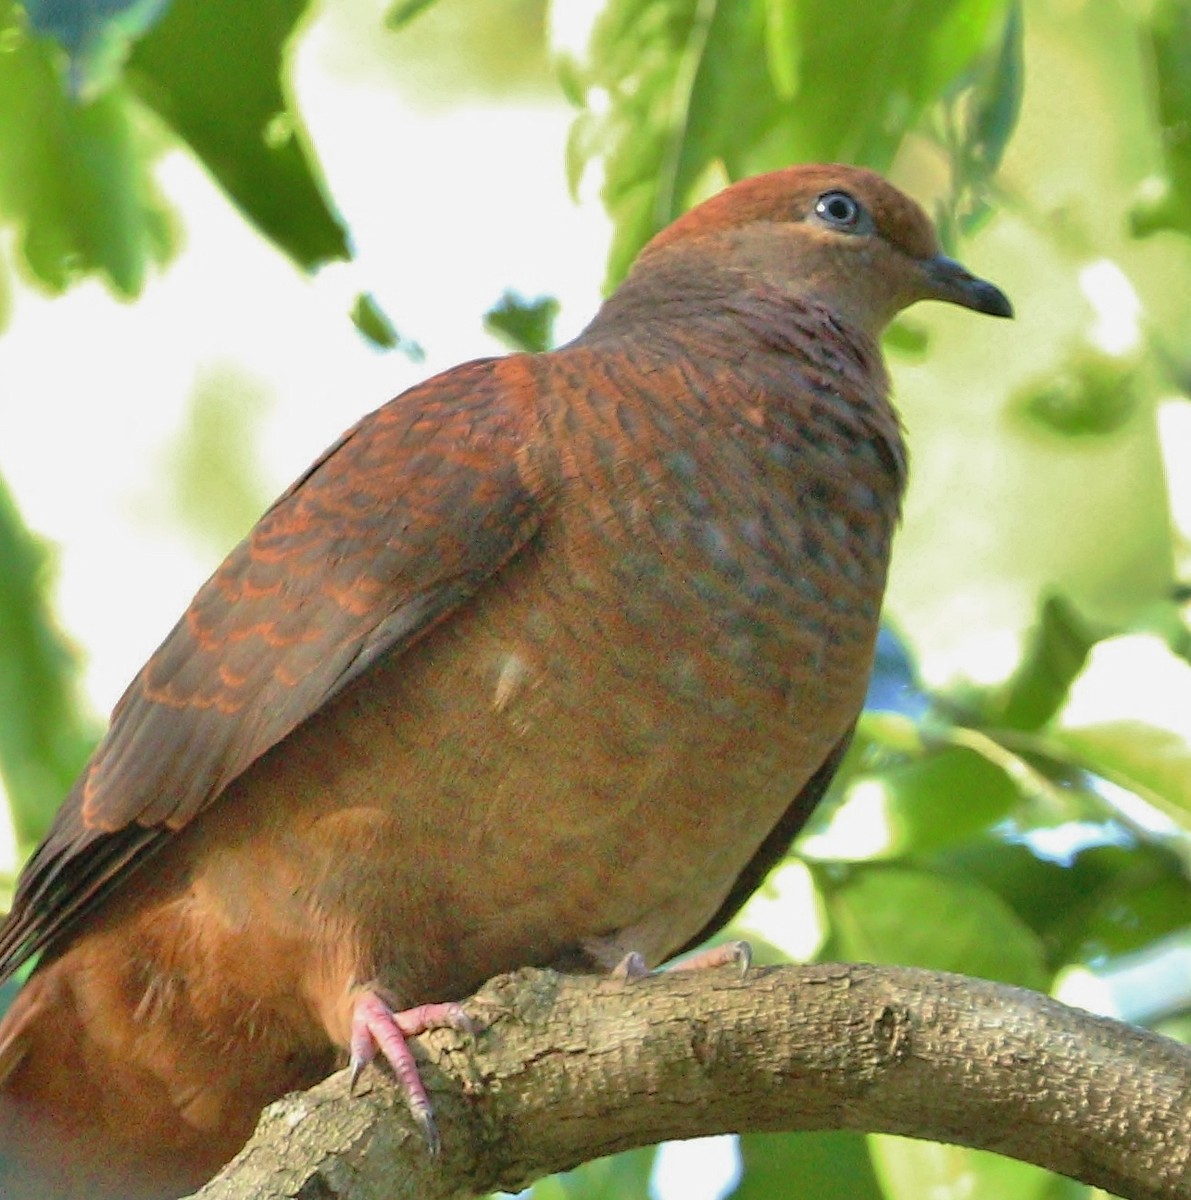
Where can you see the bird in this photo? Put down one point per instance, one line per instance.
(544, 662)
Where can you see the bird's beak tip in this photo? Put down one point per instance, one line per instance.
(952, 281)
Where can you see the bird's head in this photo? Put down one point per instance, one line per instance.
(838, 234)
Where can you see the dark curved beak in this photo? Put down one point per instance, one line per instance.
(949, 280)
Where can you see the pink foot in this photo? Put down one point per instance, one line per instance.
(740, 954)
(725, 954)
(375, 1026)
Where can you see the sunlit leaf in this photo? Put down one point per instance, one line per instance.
(995, 102)
(818, 1166)
(523, 324)
(375, 324)
(944, 798)
(910, 1169)
(1153, 762)
(1055, 653)
(96, 34)
(405, 11)
(213, 464)
(213, 70)
(44, 739)
(1091, 395)
(678, 91)
(619, 1177)
(1167, 34)
(74, 180)
(915, 917)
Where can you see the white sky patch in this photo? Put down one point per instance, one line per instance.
(571, 25)
(1135, 677)
(858, 829)
(700, 1169)
(787, 912)
(1117, 308)
(1082, 988)
(1174, 432)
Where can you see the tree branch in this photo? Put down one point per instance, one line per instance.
(572, 1068)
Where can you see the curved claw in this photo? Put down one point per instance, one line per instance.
(375, 1026)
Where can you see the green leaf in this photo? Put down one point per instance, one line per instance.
(44, 740)
(978, 124)
(944, 798)
(212, 468)
(619, 1177)
(910, 1169)
(1055, 653)
(73, 178)
(212, 69)
(1166, 203)
(676, 96)
(1154, 763)
(814, 1166)
(96, 34)
(522, 324)
(1091, 395)
(995, 103)
(373, 322)
(915, 917)
(405, 11)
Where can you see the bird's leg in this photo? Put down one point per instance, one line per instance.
(376, 1026)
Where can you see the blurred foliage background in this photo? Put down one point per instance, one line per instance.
(1017, 803)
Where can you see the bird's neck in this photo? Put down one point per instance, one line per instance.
(728, 313)
(757, 343)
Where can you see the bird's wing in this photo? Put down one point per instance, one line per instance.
(393, 528)
(775, 846)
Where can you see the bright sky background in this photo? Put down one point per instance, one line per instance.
(93, 392)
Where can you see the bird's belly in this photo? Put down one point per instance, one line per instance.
(534, 776)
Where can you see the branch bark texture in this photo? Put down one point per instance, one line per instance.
(569, 1069)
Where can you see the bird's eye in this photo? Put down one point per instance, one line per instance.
(839, 209)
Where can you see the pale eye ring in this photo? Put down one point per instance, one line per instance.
(840, 209)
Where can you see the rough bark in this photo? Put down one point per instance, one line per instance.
(569, 1069)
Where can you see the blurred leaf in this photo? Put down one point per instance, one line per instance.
(446, 55)
(910, 1169)
(1087, 890)
(213, 460)
(212, 69)
(678, 93)
(1152, 762)
(96, 34)
(522, 324)
(907, 337)
(1055, 653)
(985, 114)
(1090, 395)
(944, 798)
(43, 739)
(817, 1166)
(619, 1177)
(1167, 36)
(373, 323)
(915, 917)
(1150, 899)
(405, 11)
(73, 178)
(995, 102)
